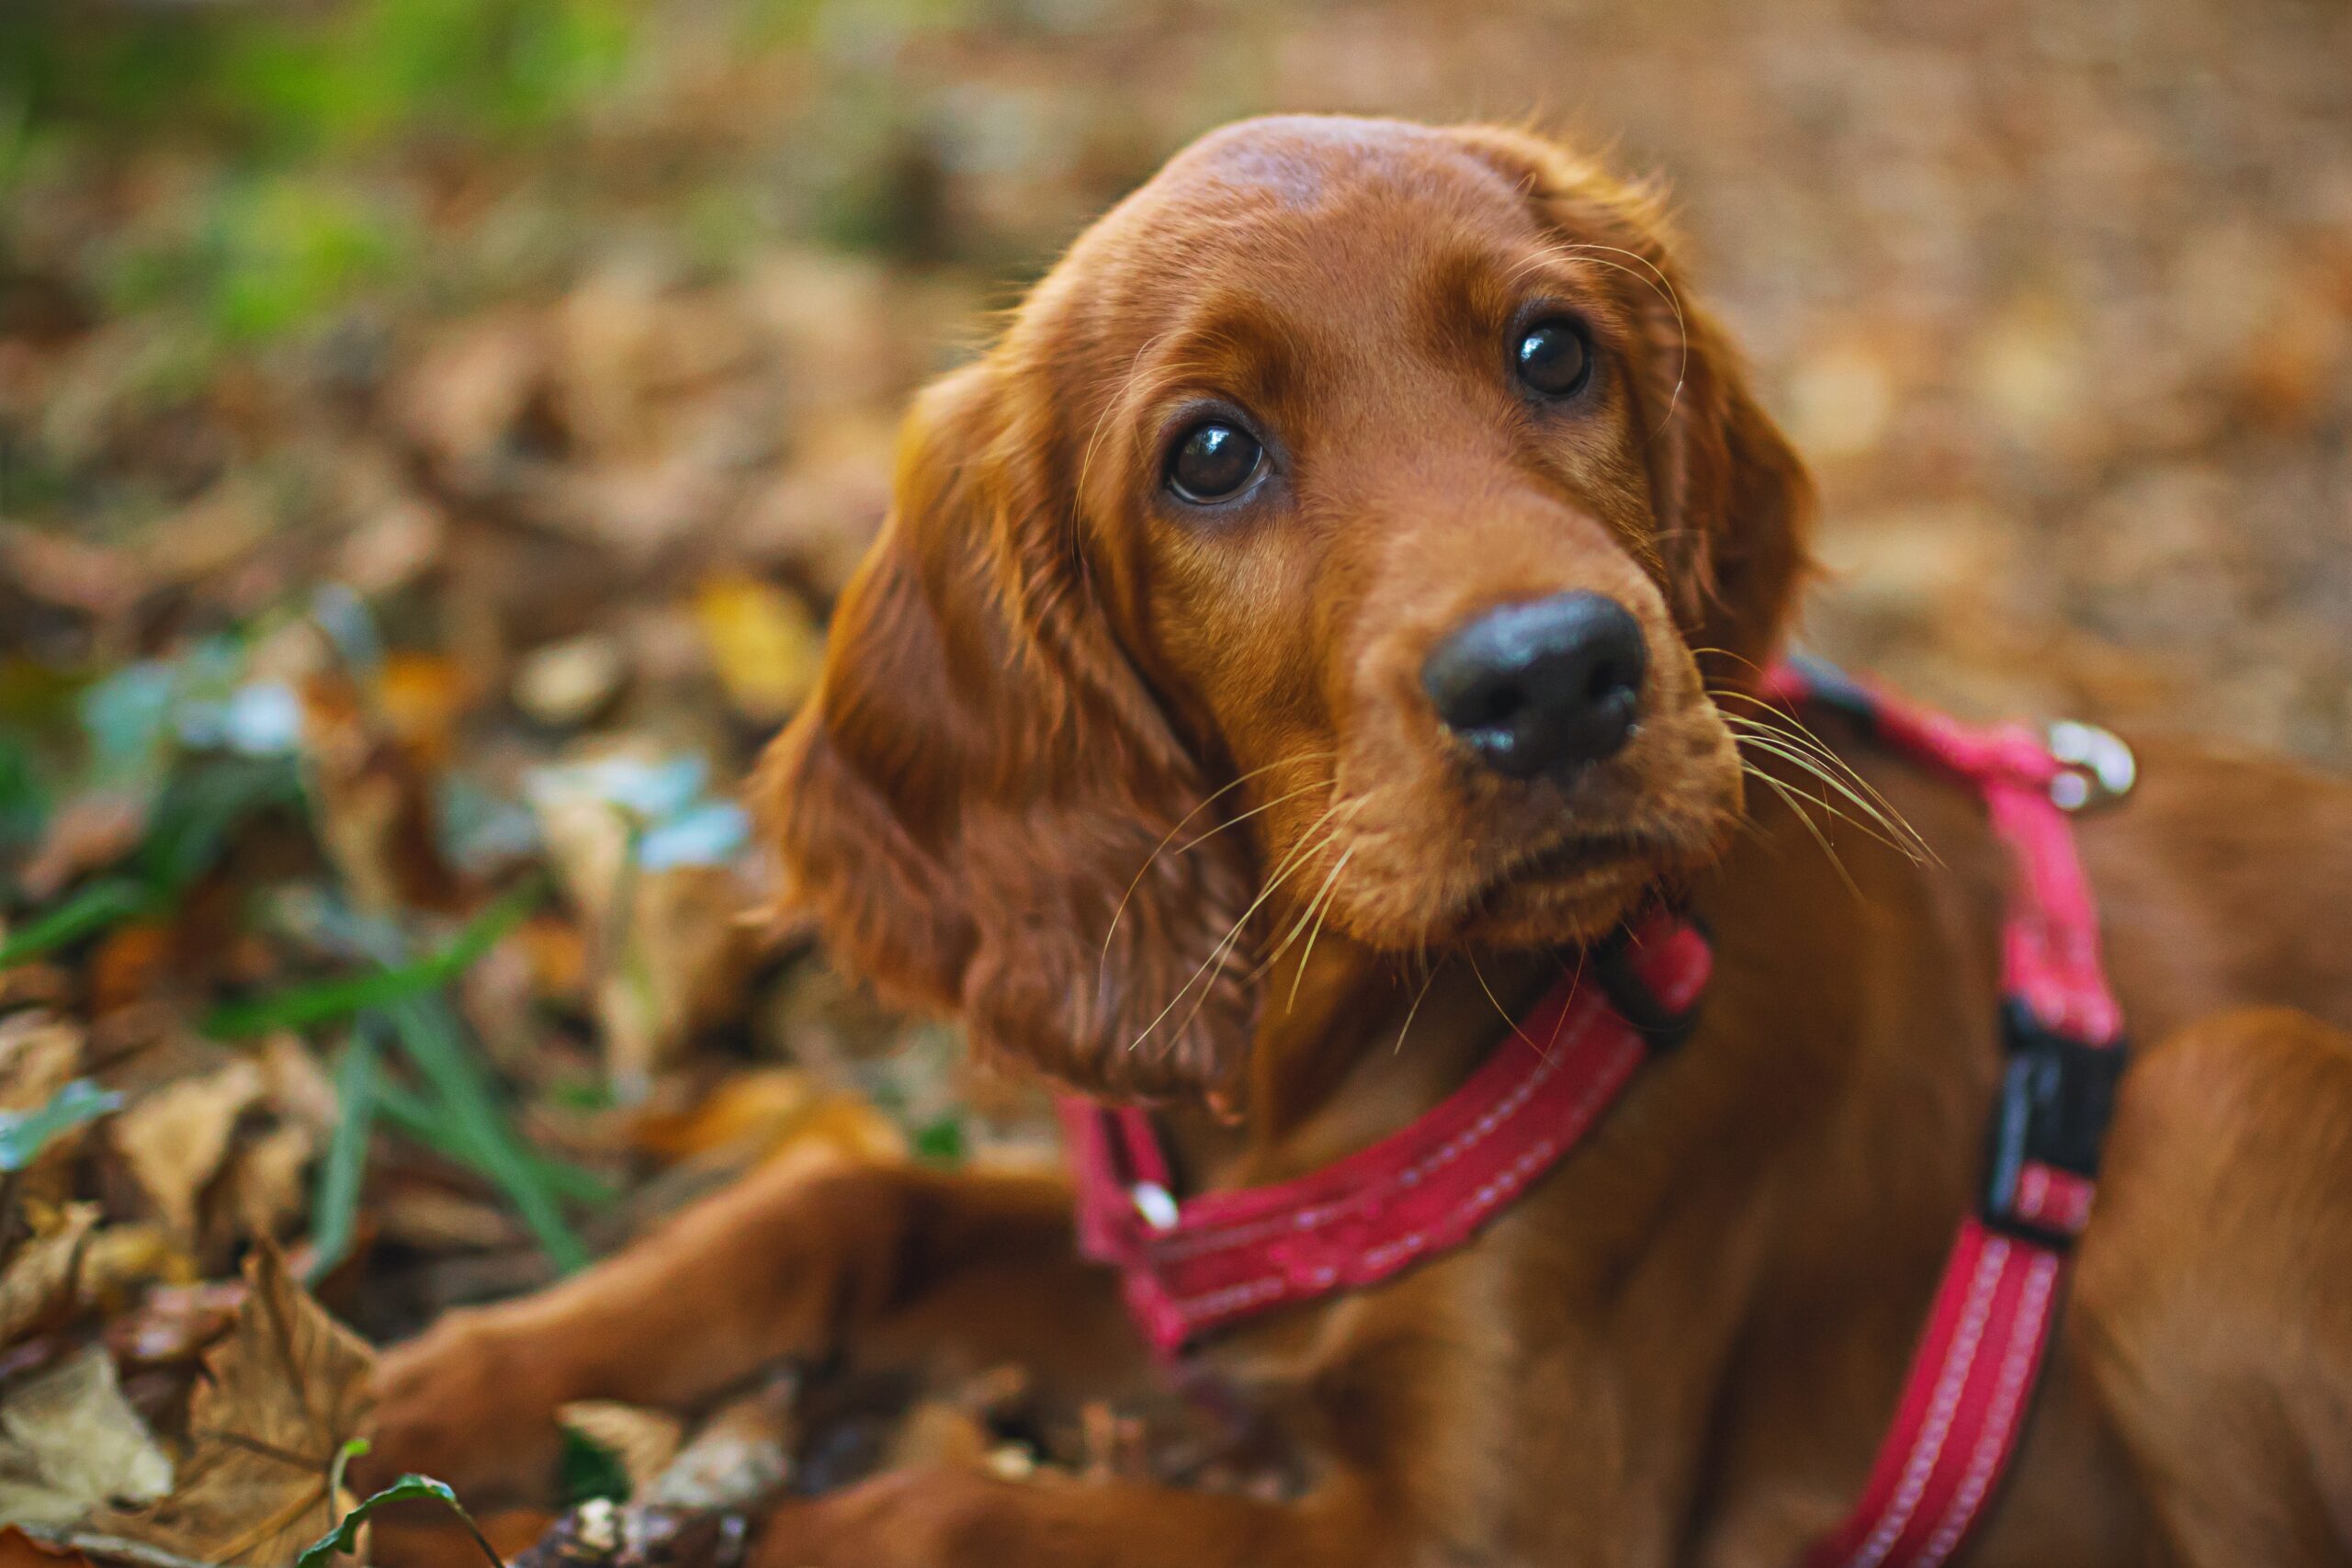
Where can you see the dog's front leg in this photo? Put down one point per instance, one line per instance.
(804, 1257)
(954, 1518)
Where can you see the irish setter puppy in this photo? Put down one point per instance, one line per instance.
(1319, 401)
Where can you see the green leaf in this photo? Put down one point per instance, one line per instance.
(24, 1133)
(941, 1141)
(302, 1006)
(587, 1469)
(410, 1488)
(335, 1203)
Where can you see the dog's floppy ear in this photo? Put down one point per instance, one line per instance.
(981, 802)
(1733, 501)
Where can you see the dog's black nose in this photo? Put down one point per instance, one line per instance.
(1544, 686)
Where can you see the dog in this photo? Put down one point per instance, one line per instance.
(1131, 750)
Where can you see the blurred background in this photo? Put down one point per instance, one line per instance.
(431, 433)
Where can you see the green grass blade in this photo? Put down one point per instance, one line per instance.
(301, 1006)
(413, 1115)
(90, 909)
(432, 1040)
(334, 1201)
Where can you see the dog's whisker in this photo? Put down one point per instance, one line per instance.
(1789, 726)
(1429, 978)
(1501, 1011)
(1795, 799)
(1298, 857)
(1323, 911)
(1212, 799)
(1880, 821)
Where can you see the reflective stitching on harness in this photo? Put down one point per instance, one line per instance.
(1412, 1176)
(1958, 1357)
(2000, 1420)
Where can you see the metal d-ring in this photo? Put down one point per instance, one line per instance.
(2099, 767)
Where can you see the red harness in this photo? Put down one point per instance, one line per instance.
(1210, 1260)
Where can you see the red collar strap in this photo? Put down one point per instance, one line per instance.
(1198, 1265)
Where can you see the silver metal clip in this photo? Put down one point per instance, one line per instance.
(2100, 767)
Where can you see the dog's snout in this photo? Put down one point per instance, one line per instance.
(1544, 686)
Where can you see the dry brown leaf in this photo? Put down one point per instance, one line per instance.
(686, 958)
(435, 1220)
(89, 832)
(282, 1397)
(937, 1434)
(40, 1053)
(174, 1139)
(18, 1550)
(266, 1190)
(742, 1454)
(373, 788)
(71, 1443)
(123, 1259)
(42, 1280)
(641, 1441)
(298, 1087)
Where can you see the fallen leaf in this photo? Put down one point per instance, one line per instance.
(297, 1089)
(435, 1220)
(42, 1281)
(742, 1454)
(567, 683)
(18, 1550)
(372, 787)
(40, 1053)
(175, 1322)
(174, 1139)
(124, 1259)
(71, 1443)
(91, 832)
(266, 1188)
(280, 1400)
(763, 643)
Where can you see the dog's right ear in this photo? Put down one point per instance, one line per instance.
(978, 803)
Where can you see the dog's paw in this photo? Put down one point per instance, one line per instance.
(470, 1404)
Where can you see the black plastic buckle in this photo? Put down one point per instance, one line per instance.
(1830, 687)
(2057, 1098)
(1610, 963)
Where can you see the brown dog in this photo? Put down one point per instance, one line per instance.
(1179, 550)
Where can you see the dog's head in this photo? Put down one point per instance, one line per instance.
(1352, 529)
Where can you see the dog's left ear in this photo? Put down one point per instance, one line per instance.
(1733, 501)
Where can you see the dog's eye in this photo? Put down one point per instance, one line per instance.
(1554, 359)
(1212, 461)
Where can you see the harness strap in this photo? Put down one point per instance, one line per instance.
(1198, 1266)
(1967, 1394)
